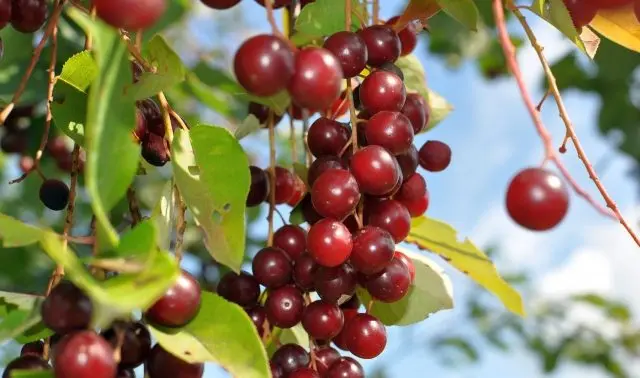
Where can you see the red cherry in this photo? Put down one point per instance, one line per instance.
(408, 162)
(327, 137)
(291, 239)
(391, 216)
(391, 130)
(264, 65)
(408, 262)
(435, 156)
(325, 358)
(285, 307)
(322, 164)
(414, 109)
(366, 336)
(299, 190)
(375, 170)
(391, 284)
(162, 364)
(350, 50)
(220, 4)
(412, 189)
(285, 185)
(322, 320)
(83, 355)
(345, 367)
(337, 284)
(408, 36)
(317, 80)
(341, 339)
(339, 108)
(537, 199)
(179, 304)
(335, 194)
(382, 90)
(272, 267)
(304, 372)
(416, 207)
(291, 357)
(130, 14)
(581, 12)
(304, 271)
(373, 249)
(5, 13)
(383, 44)
(608, 4)
(27, 16)
(329, 242)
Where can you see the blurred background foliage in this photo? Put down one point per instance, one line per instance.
(208, 95)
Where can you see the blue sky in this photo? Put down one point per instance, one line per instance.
(492, 137)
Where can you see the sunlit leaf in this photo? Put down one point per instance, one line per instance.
(619, 25)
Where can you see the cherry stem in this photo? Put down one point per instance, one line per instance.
(181, 223)
(376, 12)
(134, 207)
(272, 174)
(550, 152)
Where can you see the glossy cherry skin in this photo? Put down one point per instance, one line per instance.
(258, 316)
(408, 263)
(335, 194)
(242, 289)
(321, 164)
(345, 367)
(136, 343)
(285, 306)
(373, 249)
(336, 285)
(350, 50)
(304, 271)
(408, 162)
(163, 364)
(605, 4)
(416, 207)
(375, 170)
(327, 137)
(291, 357)
(537, 199)
(259, 189)
(262, 114)
(382, 90)
(329, 242)
(408, 36)
(84, 354)
(413, 188)
(130, 14)
(317, 80)
(391, 216)
(582, 12)
(391, 284)
(264, 65)
(27, 16)
(366, 336)
(414, 110)
(291, 239)
(391, 130)
(325, 358)
(179, 304)
(309, 213)
(299, 190)
(383, 44)
(322, 320)
(272, 267)
(66, 309)
(435, 156)
(304, 373)
(285, 185)
(27, 362)
(220, 4)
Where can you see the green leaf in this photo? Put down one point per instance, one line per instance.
(20, 314)
(302, 171)
(416, 81)
(224, 170)
(17, 52)
(138, 242)
(163, 214)
(250, 125)
(295, 335)
(110, 121)
(222, 333)
(15, 233)
(69, 108)
(442, 239)
(463, 11)
(323, 18)
(431, 292)
(296, 217)
(170, 70)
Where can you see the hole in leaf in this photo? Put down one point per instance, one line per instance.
(194, 170)
(226, 207)
(216, 216)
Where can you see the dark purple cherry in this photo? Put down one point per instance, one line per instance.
(414, 110)
(304, 271)
(373, 249)
(290, 357)
(383, 44)
(285, 306)
(241, 289)
(179, 304)
(291, 239)
(66, 309)
(336, 285)
(327, 137)
(350, 50)
(28, 362)
(163, 364)
(259, 189)
(27, 16)
(272, 267)
(136, 343)
(391, 284)
(408, 162)
(84, 354)
(345, 367)
(322, 320)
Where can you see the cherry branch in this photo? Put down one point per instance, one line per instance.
(134, 207)
(181, 223)
(272, 174)
(550, 152)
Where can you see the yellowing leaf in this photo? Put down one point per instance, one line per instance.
(442, 239)
(619, 25)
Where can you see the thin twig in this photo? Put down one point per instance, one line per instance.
(272, 175)
(293, 143)
(166, 117)
(550, 152)
(375, 12)
(134, 207)
(181, 223)
(268, 5)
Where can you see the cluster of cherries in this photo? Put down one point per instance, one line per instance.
(25, 16)
(584, 11)
(77, 351)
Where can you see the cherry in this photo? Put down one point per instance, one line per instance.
(152, 115)
(276, 4)
(5, 13)
(391, 284)
(291, 357)
(285, 306)
(304, 372)
(276, 371)
(408, 162)
(327, 137)
(317, 80)
(84, 354)
(373, 249)
(258, 316)
(375, 170)
(537, 199)
(35, 348)
(325, 358)
(220, 4)
(408, 263)
(126, 373)
(14, 142)
(435, 156)
(382, 90)
(383, 44)
(241, 289)
(336, 284)
(350, 50)
(66, 309)
(582, 13)
(309, 213)
(392, 68)
(329, 242)
(391, 130)
(299, 190)
(262, 113)
(605, 4)
(345, 367)
(259, 189)
(54, 194)
(391, 216)
(155, 150)
(304, 272)
(322, 164)
(408, 36)
(366, 336)
(27, 16)
(264, 65)
(138, 14)
(341, 339)
(26, 164)
(291, 239)
(416, 207)
(272, 267)
(322, 320)
(179, 304)
(28, 362)
(335, 194)
(164, 364)
(414, 110)
(136, 343)
(413, 188)
(339, 108)
(285, 185)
